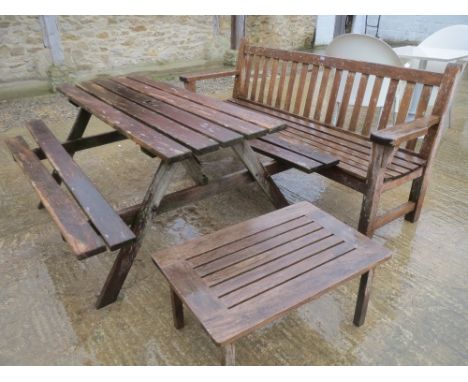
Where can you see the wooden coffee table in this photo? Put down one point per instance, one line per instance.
(242, 277)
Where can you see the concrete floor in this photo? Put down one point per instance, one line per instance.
(417, 314)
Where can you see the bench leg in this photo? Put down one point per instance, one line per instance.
(417, 194)
(260, 174)
(127, 255)
(77, 131)
(229, 355)
(194, 169)
(369, 208)
(381, 157)
(177, 310)
(363, 298)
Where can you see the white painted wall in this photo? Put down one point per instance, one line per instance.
(393, 29)
(325, 28)
(413, 28)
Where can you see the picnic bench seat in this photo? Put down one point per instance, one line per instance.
(85, 219)
(242, 277)
(352, 151)
(321, 100)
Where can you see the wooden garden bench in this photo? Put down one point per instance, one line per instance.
(312, 93)
(242, 277)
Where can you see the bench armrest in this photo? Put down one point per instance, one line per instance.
(206, 76)
(403, 132)
(190, 80)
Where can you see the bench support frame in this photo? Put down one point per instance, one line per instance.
(126, 256)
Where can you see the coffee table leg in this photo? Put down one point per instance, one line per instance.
(77, 131)
(127, 255)
(256, 169)
(177, 310)
(229, 355)
(363, 298)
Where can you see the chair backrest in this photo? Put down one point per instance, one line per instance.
(360, 47)
(452, 37)
(306, 85)
(363, 48)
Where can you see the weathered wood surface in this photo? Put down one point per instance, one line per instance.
(195, 141)
(207, 76)
(276, 82)
(244, 276)
(259, 173)
(405, 131)
(327, 145)
(126, 256)
(70, 219)
(198, 124)
(143, 135)
(111, 227)
(198, 192)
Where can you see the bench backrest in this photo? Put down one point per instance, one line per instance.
(320, 88)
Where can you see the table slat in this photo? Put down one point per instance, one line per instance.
(185, 136)
(247, 129)
(144, 136)
(222, 106)
(222, 135)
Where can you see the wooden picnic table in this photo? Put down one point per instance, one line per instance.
(167, 122)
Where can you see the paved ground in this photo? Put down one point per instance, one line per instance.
(417, 315)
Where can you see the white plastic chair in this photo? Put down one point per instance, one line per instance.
(363, 48)
(452, 37)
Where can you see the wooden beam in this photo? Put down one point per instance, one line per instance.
(199, 192)
(51, 36)
(237, 30)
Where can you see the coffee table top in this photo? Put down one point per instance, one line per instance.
(168, 121)
(244, 276)
(431, 54)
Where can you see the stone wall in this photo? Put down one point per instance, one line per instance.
(285, 32)
(109, 44)
(97, 43)
(22, 52)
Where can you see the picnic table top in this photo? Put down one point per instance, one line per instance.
(168, 121)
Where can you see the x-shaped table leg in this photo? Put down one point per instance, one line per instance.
(151, 202)
(126, 255)
(260, 174)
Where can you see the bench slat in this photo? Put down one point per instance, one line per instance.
(111, 227)
(352, 150)
(296, 160)
(69, 218)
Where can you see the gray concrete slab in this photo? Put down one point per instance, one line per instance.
(417, 314)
